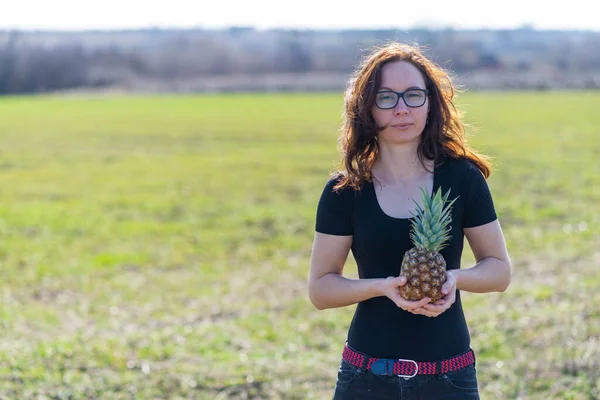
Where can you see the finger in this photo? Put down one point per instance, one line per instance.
(435, 309)
(425, 312)
(447, 287)
(412, 309)
(400, 280)
(422, 302)
(398, 300)
(411, 305)
(450, 297)
(442, 304)
(416, 304)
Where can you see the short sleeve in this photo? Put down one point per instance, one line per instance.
(479, 206)
(334, 210)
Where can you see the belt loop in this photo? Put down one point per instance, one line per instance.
(365, 358)
(438, 367)
(365, 362)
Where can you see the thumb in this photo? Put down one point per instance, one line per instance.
(401, 280)
(446, 287)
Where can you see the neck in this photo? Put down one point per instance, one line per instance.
(397, 164)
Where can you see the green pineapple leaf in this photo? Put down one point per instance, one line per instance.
(430, 230)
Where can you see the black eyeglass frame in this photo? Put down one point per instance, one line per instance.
(401, 96)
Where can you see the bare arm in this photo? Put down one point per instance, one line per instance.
(493, 269)
(329, 289)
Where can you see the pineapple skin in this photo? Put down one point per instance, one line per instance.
(425, 273)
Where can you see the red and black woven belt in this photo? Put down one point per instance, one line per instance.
(407, 368)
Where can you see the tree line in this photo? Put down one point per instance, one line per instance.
(38, 62)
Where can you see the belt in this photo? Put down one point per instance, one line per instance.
(406, 368)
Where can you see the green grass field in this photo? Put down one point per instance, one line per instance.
(158, 247)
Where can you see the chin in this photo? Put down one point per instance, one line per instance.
(400, 138)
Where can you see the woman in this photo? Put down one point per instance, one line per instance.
(401, 134)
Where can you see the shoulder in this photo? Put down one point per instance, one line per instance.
(335, 208)
(334, 179)
(331, 186)
(338, 197)
(462, 169)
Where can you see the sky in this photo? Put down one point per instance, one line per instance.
(307, 14)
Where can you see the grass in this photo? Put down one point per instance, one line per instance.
(158, 247)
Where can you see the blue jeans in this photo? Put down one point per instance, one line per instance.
(354, 383)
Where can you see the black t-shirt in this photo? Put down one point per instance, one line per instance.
(379, 328)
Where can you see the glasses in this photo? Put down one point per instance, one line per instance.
(387, 99)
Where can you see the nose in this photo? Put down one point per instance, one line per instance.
(401, 108)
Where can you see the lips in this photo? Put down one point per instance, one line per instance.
(402, 125)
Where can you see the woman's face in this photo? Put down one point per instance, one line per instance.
(402, 123)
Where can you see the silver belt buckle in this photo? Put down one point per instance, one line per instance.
(407, 377)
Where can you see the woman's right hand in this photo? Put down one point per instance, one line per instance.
(390, 287)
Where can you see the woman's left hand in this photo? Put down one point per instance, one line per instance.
(449, 291)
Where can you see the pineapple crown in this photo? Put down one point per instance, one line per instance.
(430, 226)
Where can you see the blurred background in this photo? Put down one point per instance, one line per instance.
(215, 47)
(161, 163)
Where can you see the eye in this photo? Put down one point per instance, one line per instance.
(385, 96)
(414, 95)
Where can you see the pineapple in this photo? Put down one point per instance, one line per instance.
(423, 265)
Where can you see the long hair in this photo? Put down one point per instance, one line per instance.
(443, 135)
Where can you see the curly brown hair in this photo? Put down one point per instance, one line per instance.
(444, 133)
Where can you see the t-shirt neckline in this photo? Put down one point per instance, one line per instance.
(436, 183)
